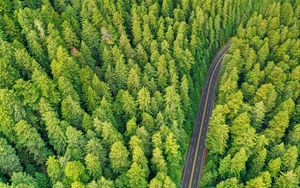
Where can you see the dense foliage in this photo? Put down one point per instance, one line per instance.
(97, 91)
(103, 93)
(254, 133)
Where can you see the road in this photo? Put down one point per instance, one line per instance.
(196, 152)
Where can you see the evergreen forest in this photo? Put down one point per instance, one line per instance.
(104, 93)
(254, 136)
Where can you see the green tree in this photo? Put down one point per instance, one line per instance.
(126, 103)
(87, 54)
(47, 86)
(287, 180)
(258, 115)
(93, 166)
(91, 37)
(158, 161)
(267, 94)
(258, 162)
(54, 40)
(8, 73)
(168, 182)
(109, 134)
(133, 82)
(238, 162)
(289, 159)
(21, 179)
(172, 104)
(64, 65)
(131, 127)
(136, 26)
(54, 127)
(173, 156)
(274, 166)
(233, 166)
(71, 111)
(263, 53)
(118, 157)
(138, 154)
(287, 13)
(167, 8)
(144, 99)
(70, 36)
(243, 135)
(136, 176)
(229, 183)
(95, 148)
(76, 142)
(105, 183)
(277, 127)
(66, 88)
(162, 72)
(54, 169)
(9, 161)
(278, 78)
(155, 183)
(262, 181)
(75, 171)
(218, 134)
(29, 139)
(294, 136)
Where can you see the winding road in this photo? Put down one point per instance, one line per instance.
(196, 152)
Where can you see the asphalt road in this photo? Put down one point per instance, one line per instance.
(196, 152)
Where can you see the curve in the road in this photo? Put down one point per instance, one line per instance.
(195, 155)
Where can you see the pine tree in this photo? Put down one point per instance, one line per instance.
(136, 176)
(289, 159)
(158, 161)
(54, 169)
(9, 161)
(29, 139)
(274, 166)
(21, 179)
(75, 171)
(133, 81)
(109, 134)
(72, 112)
(288, 179)
(277, 127)
(136, 26)
(105, 183)
(76, 142)
(95, 148)
(93, 166)
(173, 153)
(119, 157)
(218, 135)
(261, 181)
(8, 73)
(70, 36)
(36, 49)
(232, 183)
(240, 139)
(267, 94)
(91, 37)
(167, 8)
(54, 127)
(144, 99)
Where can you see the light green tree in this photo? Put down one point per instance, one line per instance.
(9, 161)
(29, 139)
(118, 157)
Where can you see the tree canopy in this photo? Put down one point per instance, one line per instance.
(105, 93)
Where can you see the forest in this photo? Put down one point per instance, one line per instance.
(104, 93)
(254, 136)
